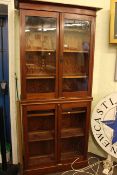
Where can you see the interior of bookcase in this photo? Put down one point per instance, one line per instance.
(72, 147)
(41, 55)
(72, 131)
(41, 135)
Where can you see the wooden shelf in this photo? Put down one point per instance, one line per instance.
(41, 115)
(75, 30)
(74, 76)
(41, 77)
(73, 112)
(53, 76)
(75, 51)
(65, 51)
(35, 160)
(40, 136)
(44, 156)
(39, 50)
(72, 132)
(71, 155)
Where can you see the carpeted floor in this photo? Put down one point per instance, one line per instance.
(89, 172)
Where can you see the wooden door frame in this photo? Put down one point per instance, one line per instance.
(11, 50)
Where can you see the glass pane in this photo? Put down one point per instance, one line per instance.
(41, 135)
(41, 153)
(72, 132)
(76, 55)
(72, 148)
(40, 44)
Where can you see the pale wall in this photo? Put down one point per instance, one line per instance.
(92, 3)
(104, 64)
(104, 59)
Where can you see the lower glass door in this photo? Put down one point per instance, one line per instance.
(40, 147)
(73, 121)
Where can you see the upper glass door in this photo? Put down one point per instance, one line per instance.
(75, 55)
(40, 57)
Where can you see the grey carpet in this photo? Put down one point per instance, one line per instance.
(100, 171)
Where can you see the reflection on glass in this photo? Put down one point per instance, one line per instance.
(40, 33)
(40, 45)
(76, 55)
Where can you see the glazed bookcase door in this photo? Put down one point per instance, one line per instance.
(73, 131)
(76, 55)
(39, 52)
(40, 127)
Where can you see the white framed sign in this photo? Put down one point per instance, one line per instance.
(104, 124)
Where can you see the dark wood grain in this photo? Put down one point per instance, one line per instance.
(55, 105)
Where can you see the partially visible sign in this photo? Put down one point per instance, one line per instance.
(104, 124)
(113, 21)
